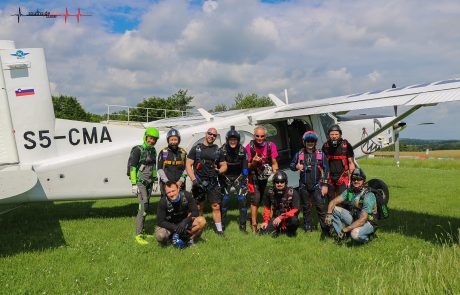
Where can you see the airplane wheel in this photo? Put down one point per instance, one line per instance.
(381, 187)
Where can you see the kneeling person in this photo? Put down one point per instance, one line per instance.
(359, 223)
(284, 201)
(178, 218)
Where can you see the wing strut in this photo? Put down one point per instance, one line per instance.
(388, 125)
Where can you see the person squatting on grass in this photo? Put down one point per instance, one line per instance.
(359, 222)
(204, 163)
(262, 155)
(311, 163)
(171, 162)
(283, 202)
(234, 182)
(178, 218)
(143, 175)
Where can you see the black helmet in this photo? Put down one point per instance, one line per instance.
(280, 176)
(172, 132)
(232, 133)
(334, 127)
(358, 173)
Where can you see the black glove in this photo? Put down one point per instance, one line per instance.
(182, 226)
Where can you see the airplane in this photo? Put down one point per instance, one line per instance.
(43, 158)
(47, 14)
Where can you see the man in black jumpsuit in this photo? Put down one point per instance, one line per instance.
(178, 219)
(171, 162)
(204, 163)
(234, 181)
(340, 157)
(284, 202)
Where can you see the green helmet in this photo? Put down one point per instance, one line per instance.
(153, 132)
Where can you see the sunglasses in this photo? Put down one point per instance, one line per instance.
(280, 181)
(260, 136)
(212, 134)
(357, 179)
(310, 140)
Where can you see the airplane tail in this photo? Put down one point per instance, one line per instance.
(26, 109)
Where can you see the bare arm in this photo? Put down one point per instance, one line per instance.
(357, 223)
(275, 166)
(351, 165)
(332, 204)
(222, 167)
(189, 169)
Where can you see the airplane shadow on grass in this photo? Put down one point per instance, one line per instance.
(36, 227)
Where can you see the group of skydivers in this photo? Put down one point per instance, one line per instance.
(328, 178)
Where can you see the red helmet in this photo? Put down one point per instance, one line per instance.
(309, 134)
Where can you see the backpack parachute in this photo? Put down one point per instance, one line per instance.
(382, 196)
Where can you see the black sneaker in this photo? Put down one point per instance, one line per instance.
(243, 229)
(307, 229)
(341, 237)
(220, 233)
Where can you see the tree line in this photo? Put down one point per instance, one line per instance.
(421, 145)
(175, 105)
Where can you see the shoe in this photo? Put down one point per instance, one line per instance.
(243, 229)
(220, 233)
(140, 239)
(307, 229)
(190, 243)
(341, 237)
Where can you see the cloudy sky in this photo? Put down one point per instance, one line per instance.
(130, 50)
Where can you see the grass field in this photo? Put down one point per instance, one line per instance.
(87, 247)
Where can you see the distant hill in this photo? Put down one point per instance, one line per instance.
(416, 145)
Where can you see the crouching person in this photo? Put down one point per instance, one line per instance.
(284, 202)
(359, 223)
(178, 219)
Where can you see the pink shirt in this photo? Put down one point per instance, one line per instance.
(262, 152)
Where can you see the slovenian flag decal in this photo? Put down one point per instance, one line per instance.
(24, 92)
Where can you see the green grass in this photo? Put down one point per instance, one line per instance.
(88, 247)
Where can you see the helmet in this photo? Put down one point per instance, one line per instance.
(334, 127)
(309, 134)
(153, 132)
(359, 173)
(280, 176)
(172, 132)
(232, 133)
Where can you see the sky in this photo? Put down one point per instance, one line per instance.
(131, 50)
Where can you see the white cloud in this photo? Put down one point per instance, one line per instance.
(223, 47)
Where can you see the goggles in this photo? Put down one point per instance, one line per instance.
(211, 134)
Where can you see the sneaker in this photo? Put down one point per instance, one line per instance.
(140, 239)
(220, 233)
(243, 229)
(190, 243)
(341, 237)
(307, 229)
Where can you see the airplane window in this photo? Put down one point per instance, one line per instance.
(326, 122)
(19, 73)
(447, 81)
(271, 130)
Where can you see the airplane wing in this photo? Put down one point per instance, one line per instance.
(416, 95)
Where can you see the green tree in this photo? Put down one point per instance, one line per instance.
(251, 101)
(68, 107)
(219, 108)
(178, 102)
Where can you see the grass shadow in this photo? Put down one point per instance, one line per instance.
(36, 226)
(432, 228)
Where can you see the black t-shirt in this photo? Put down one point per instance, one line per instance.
(210, 158)
(174, 168)
(169, 220)
(307, 176)
(336, 167)
(236, 161)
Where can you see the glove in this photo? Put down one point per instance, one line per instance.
(134, 189)
(182, 227)
(177, 242)
(328, 219)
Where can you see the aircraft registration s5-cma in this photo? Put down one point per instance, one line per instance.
(45, 159)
